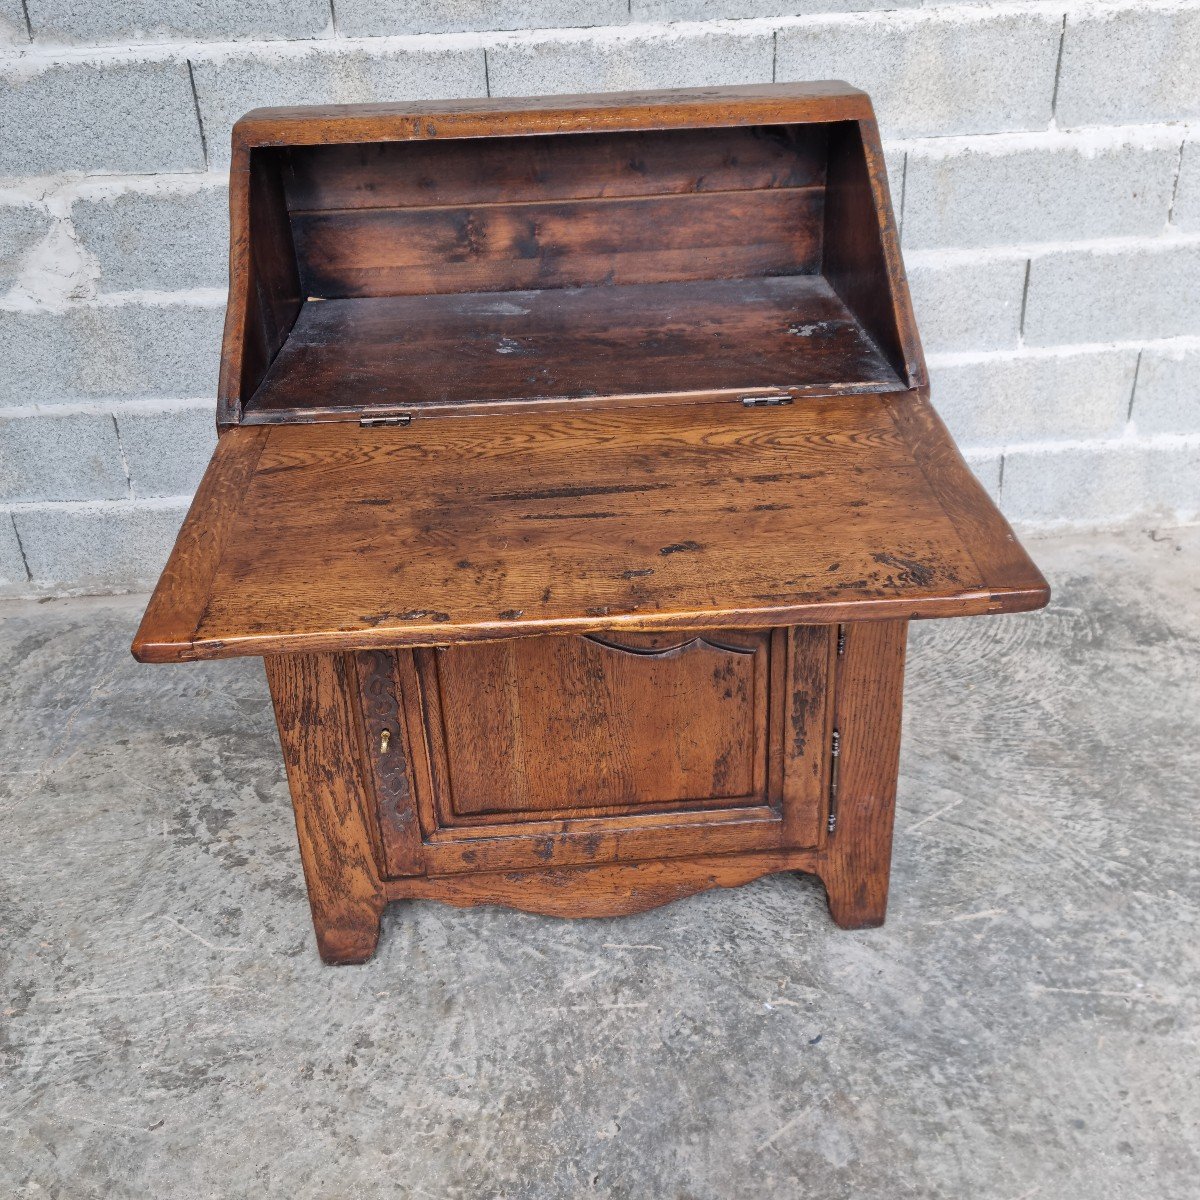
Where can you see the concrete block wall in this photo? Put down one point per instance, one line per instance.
(1045, 161)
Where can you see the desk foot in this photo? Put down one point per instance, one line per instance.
(856, 864)
(347, 938)
(317, 731)
(857, 904)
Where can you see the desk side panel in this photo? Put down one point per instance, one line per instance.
(183, 592)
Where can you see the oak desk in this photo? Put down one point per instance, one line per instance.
(577, 480)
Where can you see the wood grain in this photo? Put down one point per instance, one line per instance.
(629, 729)
(807, 704)
(559, 243)
(183, 588)
(862, 248)
(314, 709)
(386, 741)
(856, 863)
(447, 353)
(543, 167)
(608, 890)
(642, 519)
(565, 635)
(669, 108)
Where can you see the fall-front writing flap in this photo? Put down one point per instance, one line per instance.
(460, 528)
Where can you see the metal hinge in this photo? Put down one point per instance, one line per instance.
(377, 422)
(841, 649)
(835, 756)
(765, 401)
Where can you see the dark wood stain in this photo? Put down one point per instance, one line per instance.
(645, 418)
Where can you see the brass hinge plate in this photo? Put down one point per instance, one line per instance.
(835, 757)
(383, 422)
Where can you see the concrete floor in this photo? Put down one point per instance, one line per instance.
(1024, 1026)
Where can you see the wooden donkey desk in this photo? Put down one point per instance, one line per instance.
(577, 481)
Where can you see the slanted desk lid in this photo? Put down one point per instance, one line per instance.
(457, 528)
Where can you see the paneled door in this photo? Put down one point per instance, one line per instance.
(598, 748)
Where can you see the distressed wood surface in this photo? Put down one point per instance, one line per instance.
(459, 529)
(585, 166)
(635, 723)
(608, 890)
(556, 752)
(318, 731)
(386, 741)
(678, 185)
(413, 353)
(491, 247)
(856, 863)
(497, 116)
(568, 640)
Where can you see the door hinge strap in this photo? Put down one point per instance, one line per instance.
(841, 645)
(835, 758)
(765, 401)
(383, 422)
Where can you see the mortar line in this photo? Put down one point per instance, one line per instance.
(333, 18)
(1178, 177)
(12, 517)
(28, 22)
(1000, 479)
(774, 51)
(124, 458)
(1137, 368)
(487, 78)
(199, 118)
(1062, 37)
(1024, 303)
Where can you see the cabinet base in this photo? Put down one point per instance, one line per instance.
(326, 749)
(603, 890)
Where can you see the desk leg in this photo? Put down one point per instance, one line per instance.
(857, 860)
(318, 731)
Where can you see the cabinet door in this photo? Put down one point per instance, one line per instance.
(560, 750)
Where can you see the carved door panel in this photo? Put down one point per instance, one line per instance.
(567, 750)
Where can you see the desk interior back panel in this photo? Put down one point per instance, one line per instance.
(566, 211)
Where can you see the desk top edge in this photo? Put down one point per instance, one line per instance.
(172, 629)
(824, 100)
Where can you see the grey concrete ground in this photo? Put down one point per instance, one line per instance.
(1024, 1026)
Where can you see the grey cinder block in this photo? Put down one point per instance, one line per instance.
(12, 29)
(1030, 398)
(703, 58)
(1104, 484)
(980, 196)
(1167, 399)
(1129, 64)
(986, 466)
(383, 18)
(14, 579)
(101, 548)
(110, 117)
(230, 85)
(22, 226)
(1186, 212)
(73, 456)
(167, 451)
(94, 351)
(165, 240)
(965, 305)
(1113, 295)
(934, 74)
(120, 20)
(730, 10)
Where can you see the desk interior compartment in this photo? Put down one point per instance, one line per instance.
(422, 275)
